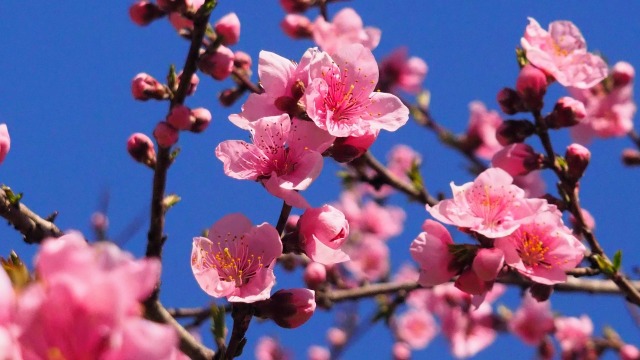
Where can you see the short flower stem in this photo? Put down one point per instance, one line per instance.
(241, 314)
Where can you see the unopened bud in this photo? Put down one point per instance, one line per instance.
(567, 112)
(144, 12)
(145, 87)
(193, 84)
(470, 283)
(140, 147)
(288, 308)
(510, 102)
(217, 64)
(295, 6)
(488, 263)
(336, 337)
(242, 61)
(180, 117)
(541, 292)
(514, 131)
(348, 148)
(531, 86)
(229, 28)
(165, 134)
(622, 74)
(314, 275)
(169, 5)
(578, 158)
(629, 352)
(631, 157)
(201, 118)
(297, 26)
(517, 159)
(5, 142)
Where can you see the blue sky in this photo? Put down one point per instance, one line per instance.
(66, 71)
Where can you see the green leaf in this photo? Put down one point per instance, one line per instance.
(170, 200)
(172, 78)
(604, 265)
(617, 260)
(415, 176)
(14, 199)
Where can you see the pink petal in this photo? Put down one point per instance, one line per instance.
(240, 159)
(386, 112)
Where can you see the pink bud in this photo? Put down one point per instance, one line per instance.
(145, 87)
(622, 74)
(336, 337)
(229, 28)
(401, 351)
(180, 117)
(5, 142)
(514, 131)
(316, 352)
(295, 6)
(510, 102)
(314, 275)
(517, 159)
(578, 158)
(100, 221)
(165, 134)
(218, 64)
(201, 118)
(193, 85)
(297, 26)
(322, 231)
(470, 283)
(488, 263)
(532, 85)
(169, 5)
(140, 147)
(348, 148)
(289, 308)
(144, 12)
(629, 352)
(631, 157)
(567, 112)
(242, 61)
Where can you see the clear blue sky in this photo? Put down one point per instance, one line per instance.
(66, 71)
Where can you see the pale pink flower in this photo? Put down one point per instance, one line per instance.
(573, 333)
(316, 352)
(342, 99)
(229, 28)
(283, 81)
(396, 71)
(401, 351)
(431, 251)
(322, 232)
(483, 125)
(468, 332)
(236, 260)
(532, 321)
(345, 29)
(401, 159)
(285, 157)
(369, 259)
(269, 348)
(383, 222)
(5, 142)
(629, 352)
(542, 248)
(490, 205)
(610, 111)
(416, 328)
(533, 184)
(517, 159)
(314, 274)
(562, 53)
(337, 336)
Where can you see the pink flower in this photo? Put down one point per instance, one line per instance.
(517, 159)
(533, 184)
(323, 231)
(542, 248)
(229, 28)
(316, 352)
(289, 308)
(369, 259)
(629, 352)
(396, 71)
(573, 333)
(416, 328)
(314, 274)
(5, 142)
(431, 251)
(381, 222)
(268, 348)
(297, 26)
(337, 336)
(236, 260)
(609, 111)
(342, 101)
(532, 321)
(401, 159)
(483, 125)
(490, 205)
(285, 157)
(9, 348)
(562, 53)
(346, 29)
(468, 332)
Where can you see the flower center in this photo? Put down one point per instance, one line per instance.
(532, 250)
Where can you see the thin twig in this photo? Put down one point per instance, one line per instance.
(33, 228)
(244, 81)
(283, 217)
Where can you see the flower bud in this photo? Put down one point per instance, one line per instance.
(193, 85)
(144, 12)
(169, 5)
(322, 231)
(99, 222)
(510, 102)
(314, 275)
(295, 6)
(577, 157)
(165, 134)
(140, 147)
(531, 86)
(180, 117)
(288, 308)
(228, 97)
(201, 118)
(517, 159)
(297, 26)
(567, 112)
(631, 157)
(401, 351)
(622, 74)
(470, 283)
(229, 28)
(348, 148)
(514, 131)
(217, 64)
(541, 292)
(336, 337)
(242, 61)
(145, 87)
(629, 352)
(5, 142)
(488, 263)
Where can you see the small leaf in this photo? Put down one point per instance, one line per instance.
(617, 260)
(16, 270)
(170, 200)
(424, 99)
(14, 199)
(415, 176)
(174, 154)
(172, 78)
(604, 265)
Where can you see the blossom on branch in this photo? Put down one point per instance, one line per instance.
(345, 29)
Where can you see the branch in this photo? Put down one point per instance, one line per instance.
(284, 216)
(33, 228)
